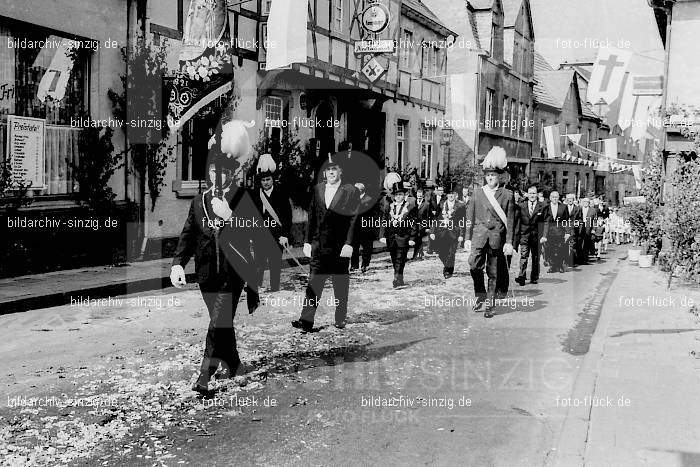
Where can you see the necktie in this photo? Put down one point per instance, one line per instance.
(532, 208)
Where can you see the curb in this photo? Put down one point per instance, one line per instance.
(571, 444)
(113, 289)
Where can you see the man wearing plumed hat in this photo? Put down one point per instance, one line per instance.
(276, 212)
(449, 228)
(490, 230)
(330, 234)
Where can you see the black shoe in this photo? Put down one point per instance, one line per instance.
(533, 281)
(552, 270)
(520, 280)
(254, 306)
(340, 325)
(364, 269)
(202, 386)
(488, 312)
(395, 283)
(305, 326)
(478, 306)
(562, 269)
(274, 289)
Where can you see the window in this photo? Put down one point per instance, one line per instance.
(543, 140)
(506, 107)
(434, 61)
(494, 29)
(406, 48)
(588, 140)
(423, 59)
(488, 112)
(565, 182)
(528, 125)
(401, 127)
(337, 16)
(426, 153)
(195, 140)
(26, 90)
(266, 7)
(273, 111)
(513, 115)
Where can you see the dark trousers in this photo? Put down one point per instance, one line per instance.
(324, 267)
(268, 255)
(399, 255)
(221, 300)
(367, 244)
(418, 249)
(532, 247)
(584, 245)
(478, 259)
(557, 251)
(446, 248)
(503, 273)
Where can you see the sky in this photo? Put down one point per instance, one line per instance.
(570, 30)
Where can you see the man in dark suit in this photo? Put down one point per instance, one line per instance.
(574, 214)
(329, 238)
(531, 220)
(218, 231)
(587, 222)
(490, 230)
(449, 230)
(273, 204)
(365, 231)
(556, 232)
(424, 218)
(399, 228)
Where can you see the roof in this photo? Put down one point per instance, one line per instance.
(541, 63)
(422, 9)
(554, 87)
(511, 9)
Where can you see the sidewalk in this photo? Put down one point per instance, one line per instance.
(56, 288)
(640, 378)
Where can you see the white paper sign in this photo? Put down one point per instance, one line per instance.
(25, 147)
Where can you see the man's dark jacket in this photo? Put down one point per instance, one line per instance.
(331, 228)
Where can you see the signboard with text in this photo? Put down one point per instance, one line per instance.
(25, 148)
(374, 46)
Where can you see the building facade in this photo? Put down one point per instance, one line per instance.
(491, 79)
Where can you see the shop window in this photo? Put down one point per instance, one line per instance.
(58, 98)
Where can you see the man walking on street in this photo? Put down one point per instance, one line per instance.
(449, 230)
(424, 218)
(490, 229)
(574, 215)
(556, 232)
(399, 229)
(273, 204)
(329, 238)
(530, 228)
(365, 230)
(587, 221)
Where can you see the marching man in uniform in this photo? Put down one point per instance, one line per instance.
(449, 230)
(218, 232)
(399, 229)
(332, 226)
(276, 212)
(490, 230)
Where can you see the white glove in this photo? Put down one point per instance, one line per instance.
(411, 243)
(460, 238)
(508, 249)
(382, 240)
(432, 236)
(566, 237)
(221, 208)
(177, 276)
(284, 241)
(543, 240)
(467, 245)
(307, 250)
(346, 252)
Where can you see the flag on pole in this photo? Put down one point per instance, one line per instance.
(628, 104)
(286, 33)
(553, 141)
(575, 138)
(608, 72)
(55, 80)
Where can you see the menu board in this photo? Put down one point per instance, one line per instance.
(25, 147)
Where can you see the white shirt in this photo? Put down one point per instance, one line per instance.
(585, 212)
(554, 207)
(532, 206)
(571, 208)
(330, 193)
(269, 192)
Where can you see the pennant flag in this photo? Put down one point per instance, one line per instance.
(553, 141)
(648, 85)
(55, 80)
(206, 72)
(575, 138)
(608, 73)
(286, 33)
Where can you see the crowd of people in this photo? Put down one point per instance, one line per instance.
(235, 234)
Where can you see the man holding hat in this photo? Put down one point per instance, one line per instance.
(490, 230)
(399, 228)
(329, 237)
(449, 229)
(276, 212)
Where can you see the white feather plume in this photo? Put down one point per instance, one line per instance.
(266, 163)
(390, 179)
(235, 140)
(495, 159)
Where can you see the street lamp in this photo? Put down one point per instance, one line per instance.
(446, 140)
